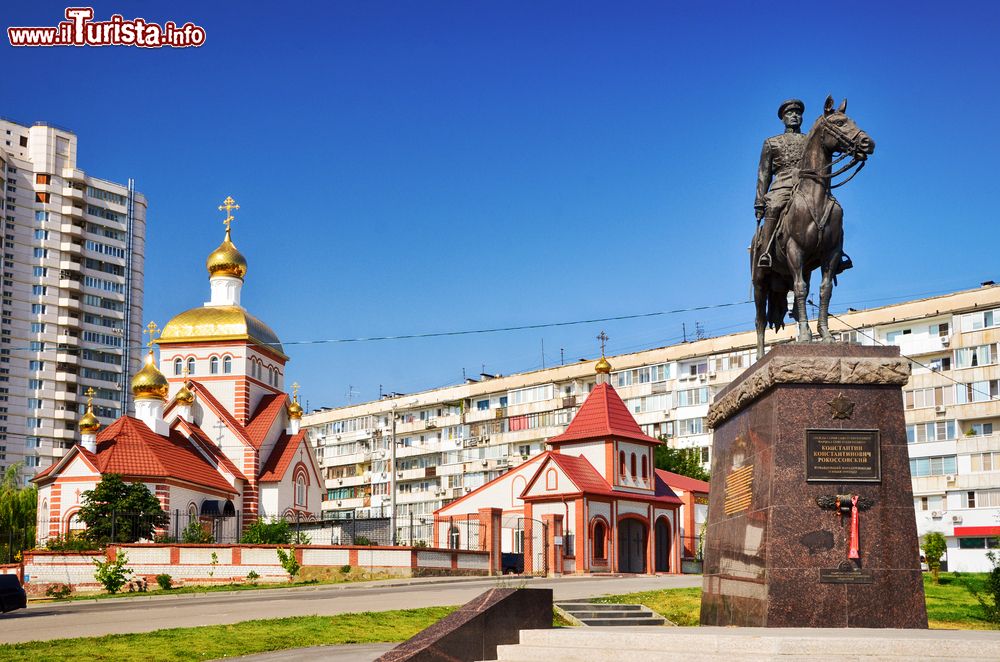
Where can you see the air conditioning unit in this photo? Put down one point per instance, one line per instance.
(956, 519)
(946, 341)
(340, 481)
(950, 478)
(468, 488)
(936, 514)
(939, 409)
(711, 375)
(702, 377)
(486, 463)
(340, 503)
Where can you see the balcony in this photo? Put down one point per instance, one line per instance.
(72, 230)
(65, 415)
(978, 444)
(922, 344)
(70, 264)
(69, 302)
(73, 193)
(70, 247)
(64, 360)
(67, 341)
(70, 285)
(68, 320)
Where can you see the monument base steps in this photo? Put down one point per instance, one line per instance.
(592, 614)
(753, 644)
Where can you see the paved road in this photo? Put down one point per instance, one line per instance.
(84, 619)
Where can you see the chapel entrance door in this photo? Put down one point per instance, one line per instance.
(662, 545)
(631, 546)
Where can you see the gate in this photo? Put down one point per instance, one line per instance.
(523, 546)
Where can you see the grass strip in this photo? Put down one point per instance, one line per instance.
(215, 641)
(950, 604)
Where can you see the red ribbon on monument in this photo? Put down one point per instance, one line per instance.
(852, 552)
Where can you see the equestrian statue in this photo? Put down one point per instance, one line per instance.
(803, 224)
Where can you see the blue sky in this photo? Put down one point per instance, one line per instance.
(415, 167)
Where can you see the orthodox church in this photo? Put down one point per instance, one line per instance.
(213, 432)
(596, 495)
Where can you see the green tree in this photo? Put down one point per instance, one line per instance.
(263, 532)
(934, 548)
(116, 511)
(683, 461)
(18, 510)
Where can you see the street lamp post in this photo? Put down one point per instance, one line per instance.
(392, 479)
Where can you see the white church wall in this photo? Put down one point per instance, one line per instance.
(594, 451)
(633, 508)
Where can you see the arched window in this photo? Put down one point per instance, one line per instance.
(190, 366)
(227, 364)
(600, 533)
(213, 365)
(300, 491)
(178, 367)
(633, 465)
(621, 462)
(645, 467)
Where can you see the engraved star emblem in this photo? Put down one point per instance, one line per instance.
(841, 407)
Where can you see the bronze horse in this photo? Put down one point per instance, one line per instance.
(810, 232)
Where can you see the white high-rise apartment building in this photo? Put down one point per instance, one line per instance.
(71, 302)
(452, 440)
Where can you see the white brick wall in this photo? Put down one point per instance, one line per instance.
(433, 560)
(204, 555)
(473, 561)
(260, 556)
(384, 557)
(145, 555)
(326, 556)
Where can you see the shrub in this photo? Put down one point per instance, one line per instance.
(165, 581)
(194, 532)
(70, 544)
(252, 577)
(345, 569)
(137, 585)
(164, 539)
(289, 562)
(363, 541)
(112, 575)
(934, 548)
(263, 532)
(989, 600)
(302, 539)
(59, 591)
(215, 563)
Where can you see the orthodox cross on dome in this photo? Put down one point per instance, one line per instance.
(153, 330)
(603, 337)
(228, 205)
(90, 397)
(295, 391)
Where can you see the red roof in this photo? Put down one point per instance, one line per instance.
(281, 457)
(603, 415)
(268, 409)
(582, 473)
(130, 448)
(206, 444)
(682, 482)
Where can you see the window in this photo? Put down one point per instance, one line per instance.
(928, 397)
(600, 533)
(621, 462)
(39, 290)
(978, 543)
(533, 394)
(40, 272)
(41, 216)
(981, 430)
(933, 466)
(213, 365)
(694, 396)
(972, 357)
(982, 320)
(690, 426)
(41, 252)
(982, 461)
(227, 365)
(178, 367)
(645, 467)
(38, 327)
(41, 197)
(983, 391)
(482, 405)
(190, 366)
(41, 234)
(300, 490)
(36, 365)
(936, 431)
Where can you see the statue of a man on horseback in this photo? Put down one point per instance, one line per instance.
(803, 222)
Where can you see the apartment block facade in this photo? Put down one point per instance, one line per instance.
(73, 248)
(451, 440)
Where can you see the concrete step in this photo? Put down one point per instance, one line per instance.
(750, 644)
(607, 613)
(573, 607)
(622, 622)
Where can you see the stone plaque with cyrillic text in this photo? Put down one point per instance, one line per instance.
(848, 456)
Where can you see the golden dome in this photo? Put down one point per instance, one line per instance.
(603, 367)
(219, 323)
(184, 395)
(149, 383)
(89, 423)
(226, 260)
(294, 410)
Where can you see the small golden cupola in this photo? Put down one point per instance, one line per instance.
(184, 396)
(149, 383)
(89, 424)
(603, 367)
(226, 260)
(294, 411)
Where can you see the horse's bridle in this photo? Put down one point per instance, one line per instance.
(853, 147)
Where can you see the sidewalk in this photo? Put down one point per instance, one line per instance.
(346, 653)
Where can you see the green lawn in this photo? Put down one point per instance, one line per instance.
(216, 641)
(950, 605)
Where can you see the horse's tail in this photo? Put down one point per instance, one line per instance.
(777, 302)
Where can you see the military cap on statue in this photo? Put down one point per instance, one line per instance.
(791, 102)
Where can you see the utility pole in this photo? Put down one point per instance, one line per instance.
(392, 479)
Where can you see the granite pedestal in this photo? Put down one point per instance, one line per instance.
(779, 519)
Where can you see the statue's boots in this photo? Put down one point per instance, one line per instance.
(845, 263)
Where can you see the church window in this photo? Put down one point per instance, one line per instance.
(213, 365)
(192, 512)
(645, 467)
(633, 465)
(227, 364)
(551, 480)
(178, 367)
(300, 490)
(599, 540)
(190, 365)
(621, 462)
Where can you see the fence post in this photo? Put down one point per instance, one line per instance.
(411, 528)
(298, 526)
